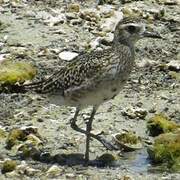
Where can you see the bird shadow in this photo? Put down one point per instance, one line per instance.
(72, 159)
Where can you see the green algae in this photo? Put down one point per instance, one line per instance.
(13, 72)
(8, 166)
(160, 124)
(14, 137)
(166, 149)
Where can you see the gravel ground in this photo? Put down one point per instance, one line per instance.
(37, 32)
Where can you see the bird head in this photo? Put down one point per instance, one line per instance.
(129, 31)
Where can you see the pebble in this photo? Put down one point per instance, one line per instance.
(146, 63)
(106, 11)
(59, 19)
(168, 2)
(54, 171)
(90, 14)
(71, 15)
(133, 112)
(67, 55)
(23, 168)
(95, 43)
(73, 8)
(174, 65)
(110, 23)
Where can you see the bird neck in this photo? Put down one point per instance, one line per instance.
(124, 42)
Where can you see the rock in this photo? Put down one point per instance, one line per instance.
(70, 175)
(107, 40)
(3, 133)
(110, 23)
(107, 158)
(13, 175)
(128, 141)
(14, 136)
(71, 15)
(146, 63)
(95, 43)
(166, 149)
(3, 57)
(23, 168)
(90, 15)
(26, 139)
(178, 56)
(131, 12)
(106, 11)
(73, 8)
(168, 2)
(102, 2)
(174, 65)
(133, 112)
(76, 21)
(34, 140)
(67, 55)
(8, 166)
(174, 75)
(55, 20)
(161, 124)
(54, 171)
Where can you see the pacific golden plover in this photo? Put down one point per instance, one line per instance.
(93, 78)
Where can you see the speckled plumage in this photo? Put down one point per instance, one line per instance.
(95, 77)
(88, 75)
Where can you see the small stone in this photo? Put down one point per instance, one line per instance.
(174, 65)
(107, 158)
(34, 140)
(110, 23)
(70, 175)
(146, 63)
(3, 133)
(54, 171)
(73, 8)
(95, 43)
(76, 21)
(90, 15)
(67, 55)
(106, 11)
(52, 21)
(71, 15)
(178, 56)
(107, 40)
(168, 2)
(135, 112)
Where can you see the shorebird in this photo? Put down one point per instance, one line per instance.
(92, 78)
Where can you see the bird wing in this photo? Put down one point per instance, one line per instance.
(82, 72)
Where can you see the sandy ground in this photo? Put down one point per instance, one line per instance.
(27, 36)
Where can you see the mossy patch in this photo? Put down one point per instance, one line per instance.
(14, 136)
(3, 133)
(160, 124)
(128, 138)
(128, 141)
(166, 149)
(12, 72)
(8, 166)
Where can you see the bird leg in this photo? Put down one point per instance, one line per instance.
(103, 141)
(88, 130)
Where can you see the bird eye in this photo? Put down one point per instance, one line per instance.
(131, 29)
